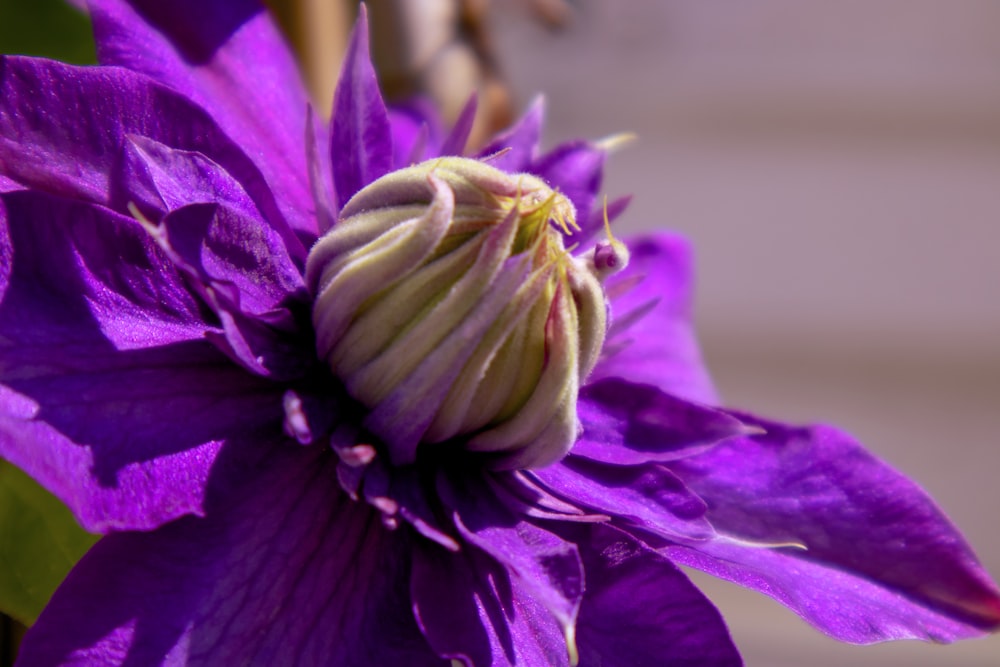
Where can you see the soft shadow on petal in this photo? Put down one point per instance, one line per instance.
(470, 609)
(652, 338)
(643, 499)
(101, 346)
(640, 609)
(545, 567)
(229, 58)
(81, 274)
(283, 570)
(628, 424)
(880, 561)
(360, 133)
(92, 428)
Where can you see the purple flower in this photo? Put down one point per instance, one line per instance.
(160, 375)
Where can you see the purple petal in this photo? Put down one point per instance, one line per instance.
(575, 169)
(64, 129)
(471, 609)
(229, 248)
(524, 494)
(520, 142)
(360, 135)
(241, 270)
(89, 424)
(880, 560)
(229, 58)
(547, 567)
(454, 143)
(652, 338)
(100, 347)
(416, 132)
(70, 265)
(593, 226)
(647, 498)
(159, 179)
(403, 489)
(282, 570)
(641, 610)
(320, 172)
(630, 424)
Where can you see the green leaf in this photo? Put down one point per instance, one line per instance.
(49, 28)
(39, 542)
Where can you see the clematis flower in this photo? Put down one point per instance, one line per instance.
(197, 357)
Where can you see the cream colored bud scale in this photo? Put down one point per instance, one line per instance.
(447, 303)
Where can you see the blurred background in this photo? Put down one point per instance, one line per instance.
(837, 166)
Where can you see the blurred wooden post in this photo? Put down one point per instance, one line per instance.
(437, 48)
(317, 30)
(442, 49)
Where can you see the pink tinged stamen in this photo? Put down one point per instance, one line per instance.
(296, 424)
(357, 456)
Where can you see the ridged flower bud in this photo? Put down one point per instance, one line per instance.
(447, 303)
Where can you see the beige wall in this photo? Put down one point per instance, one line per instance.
(838, 166)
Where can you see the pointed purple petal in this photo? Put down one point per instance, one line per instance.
(641, 610)
(648, 499)
(282, 570)
(520, 142)
(454, 143)
(229, 58)
(320, 172)
(361, 136)
(880, 560)
(547, 567)
(652, 338)
(629, 424)
(416, 132)
(450, 595)
(471, 609)
(575, 169)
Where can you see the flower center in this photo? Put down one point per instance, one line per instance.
(446, 302)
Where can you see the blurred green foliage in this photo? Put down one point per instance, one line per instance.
(39, 542)
(39, 539)
(49, 28)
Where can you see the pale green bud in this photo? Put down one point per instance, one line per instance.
(446, 302)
